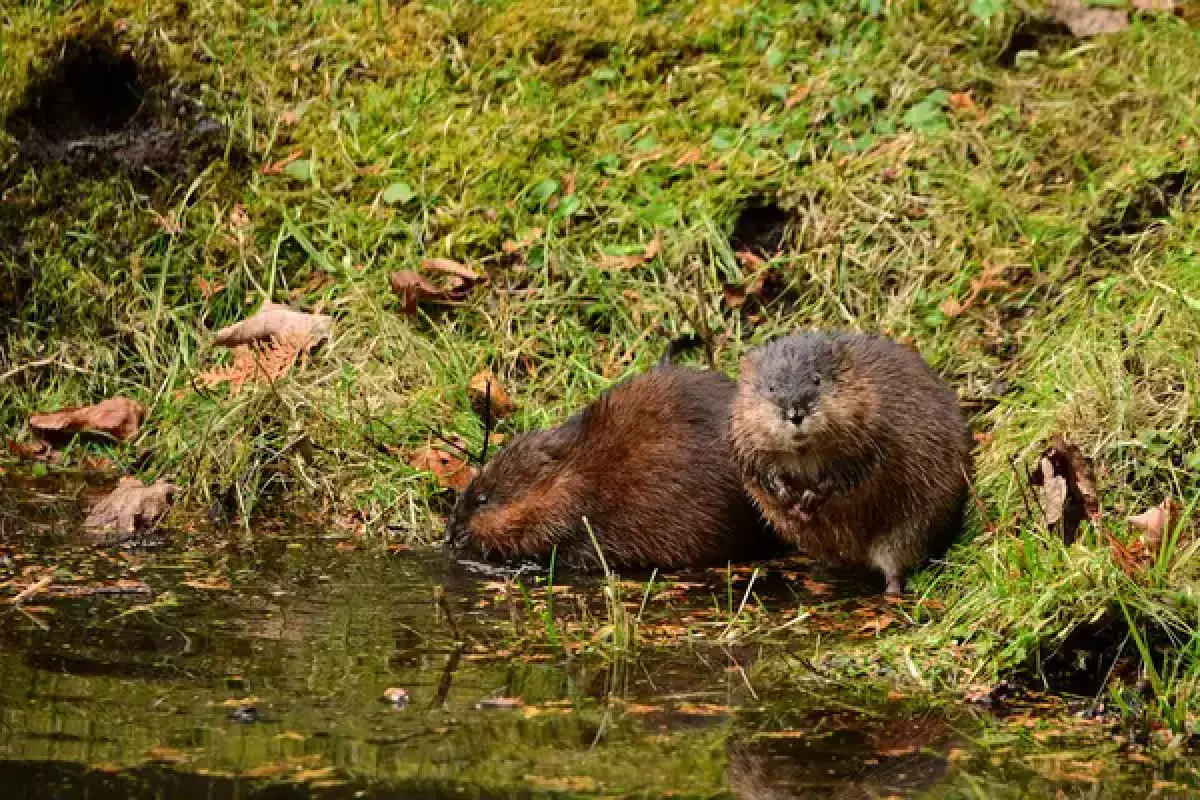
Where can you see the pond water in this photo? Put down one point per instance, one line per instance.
(234, 665)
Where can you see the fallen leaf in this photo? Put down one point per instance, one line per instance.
(627, 262)
(815, 588)
(118, 417)
(951, 307)
(477, 389)
(167, 223)
(265, 363)
(279, 166)
(208, 288)
(1066, 485)
(690, 157)
(451, 267)
(1152, 523)
(289, 117)
(129, 507)
(450, 471)
(797, 96)
(1054, 492)
(239, 220)
(1166, 6)
(1085, 22)
(274, 321)
(877, 624)
(962, 101)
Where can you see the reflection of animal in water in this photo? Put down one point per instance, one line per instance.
(854, 449)
(840, 756)
(648, 464)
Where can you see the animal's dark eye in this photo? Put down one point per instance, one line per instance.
(771, 388)
(817, 379)
(481, 499)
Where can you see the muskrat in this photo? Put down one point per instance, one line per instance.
(648, 465)
(854, 449)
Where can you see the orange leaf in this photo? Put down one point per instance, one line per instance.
(450, 471)
(502, 404)
(690, 157)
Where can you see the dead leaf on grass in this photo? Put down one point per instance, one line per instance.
(131, 506)
(264, 363)
(797, 96)
(1085, 22)
(477, 389)
(962, 101)
(990, 279)
(451, 267)
(627, 262)
(119, 417)
(1165, 6)
(274, 321)
(1067, 487)
(277, 167)
(450, 471)
(688, 158)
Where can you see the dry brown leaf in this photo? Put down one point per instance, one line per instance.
(239, 220)
(278, 167)
(274, 321)
(451, 267)
(1165, 6)
(951, 307)
(962, 101)
(450, 471)
(688, 158)
(815, 588)
(797, 96)
(1085, 22)
(118, 417)
(208, 288)
(632, 260)
(212, 583)
(1064, 461)
(414, 289)
(129, 507)
(263, 363)
(878, 624)
(1153, 523)
(477, 389)
(1054, 492)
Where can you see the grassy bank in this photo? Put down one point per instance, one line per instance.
(605, 165)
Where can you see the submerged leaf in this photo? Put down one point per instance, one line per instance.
(118, 417)
(131, 506)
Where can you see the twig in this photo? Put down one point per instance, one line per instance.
(1012, 462)
(32, 590)
(988, 528)
(42, 362)
(487, 422)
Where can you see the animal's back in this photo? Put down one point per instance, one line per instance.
(665, 487)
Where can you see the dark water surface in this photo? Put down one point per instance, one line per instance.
(234, 665)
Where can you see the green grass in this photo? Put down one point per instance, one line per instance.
(487, 113)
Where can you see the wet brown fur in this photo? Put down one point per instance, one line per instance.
(650, 466)
(893, 449)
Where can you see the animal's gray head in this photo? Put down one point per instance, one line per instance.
(794, 373)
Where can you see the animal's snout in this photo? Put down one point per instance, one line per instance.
(796, 414)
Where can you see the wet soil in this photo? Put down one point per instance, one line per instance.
(255, 666)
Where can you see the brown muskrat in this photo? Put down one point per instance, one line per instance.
(854, 449)
(648, 466)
